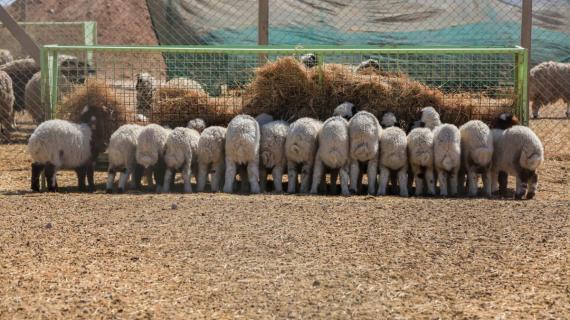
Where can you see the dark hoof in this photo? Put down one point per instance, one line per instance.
(518, 196)
(352, 192)
(91, 189)
(35, 189)
(121, 190)
(530, 195)
(109, 191)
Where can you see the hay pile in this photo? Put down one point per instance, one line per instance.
(96, 94)
(288, 90)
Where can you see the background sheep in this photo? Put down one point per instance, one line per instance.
(300, 149)
(548, 83)
(420, 153)
(345, 110)
(368, 64)
(20, 71)
(211, 157)
(122, 156)
(519, 152)
(447, 157)
(333, 154)
(73, 69)
(242, 148)
(150, 152)
(388, 119)
(146, 89)
(393, 160)
(429, 118)
(186, 83)
(6, 103)
(263, 118)
(5, 57)
(504, 121)
(309, 60)
(272, 153)
(364, 131)
(60, 144)
(197, 124)
(180, 153)
(33, 96)
(477, 156)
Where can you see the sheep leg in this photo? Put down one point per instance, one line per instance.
(137, 176)
(253, 176)
(125, 176)
(430, 181)
(244, 186)
(217, 176)
(203, 176)
(383, 183)
(159, 171)
(354, 174)
(110, 179)
(37, 169)
(568, 109)
(334, 178)
(494, 180)
(230, 176)
(277, 174)
(263, 178)
(317, 175)
(536, 104)
(166, 182)
(442, 177)
(372, 173)
(453, 182)
(503, 181)
(403, 181)
(419, 180)
(90, 173)
(149, 178)
(523, 177)
(186, 177)
(81, 175)
(487, 183)
(344, 178)
(533, 185)
(472, 182)
(306, 172)
(50, 173)
(291, 176)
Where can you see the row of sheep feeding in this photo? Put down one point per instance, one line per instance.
(348, 144)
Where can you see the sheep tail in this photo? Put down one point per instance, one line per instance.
(266, 157)
(447, 163)
(482, 156)
(361, 150)
(424, 159)
(295, 149)
(530, 162)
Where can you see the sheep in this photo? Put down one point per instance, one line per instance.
(476, 155)
(122, 156)
(333, 154)
(197, 124)
(309, 60)
(20, 71)
(151, 143)
(186, 83)
(504, 121)
(5, 57)
(242, 148)
(146, 90)
(272, 153)
(429, 118)
(211, 156)
(263, 118)
(364, 132)
(181, 153)
(371, 64)
(73, 69)
(60, 144)
(447, 157)
(6, 103)
(300, 150)
(345, 110)
(548, 83)
(519, 153)
(393, 160)
(420, 154)
(388, 119)
(33, 96)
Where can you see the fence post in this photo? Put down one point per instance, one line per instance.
(263, 26)
(20, 34)
(526, 42)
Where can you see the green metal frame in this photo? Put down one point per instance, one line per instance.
(520, 54)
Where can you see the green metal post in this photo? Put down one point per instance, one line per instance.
(522, 85)
(54, 72)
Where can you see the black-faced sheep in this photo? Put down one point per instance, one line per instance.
(309, 60)
(549, 82)
(300, 149)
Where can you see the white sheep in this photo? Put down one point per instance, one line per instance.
(146, 89)
(333, 154)
(388, 120)
(393, 160)
(197, 124)
(476, 155)
(345, 110)
(211, 157)
(429, 118)
(548, 82)
(6, 103)
(518, 152)
(242, 148)
(180, 153)
(447, 157)
(5, 57)
(364, 132)
(272, 153)
(151, 143)
(263, 118)
(300, 150)
(187, 84)
(122, 156)
(60, 144)
(420, 154)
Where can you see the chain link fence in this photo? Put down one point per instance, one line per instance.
(457, 23)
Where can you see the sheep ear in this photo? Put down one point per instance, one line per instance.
(354, 110)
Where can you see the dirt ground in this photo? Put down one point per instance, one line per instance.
(226, 256)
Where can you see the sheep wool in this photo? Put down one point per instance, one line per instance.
(300, 150)
(477, 156)
(181, 154)
(122, 156)
(430, 118)
(5, 57)
(197, 124)
(548, 82)
(187, 84)
(364, 132)
(272, 153)
(211, 157)
(447, 157)
(345, 110)
(420, 153)
(6, 103)
(393, 160)
(388, 120)
(150, 152)
(145, 87)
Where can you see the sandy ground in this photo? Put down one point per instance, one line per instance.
(224, 256)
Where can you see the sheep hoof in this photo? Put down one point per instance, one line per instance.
(109, 191)
(121, 190)
(530, 195)
(518, 196)
(352, 192)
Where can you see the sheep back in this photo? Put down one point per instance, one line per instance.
(549, 82)
(447, 147)
(476, 143)
(334, 142)
(302, 140)
(272, 144)
(364, 131)
(211, 145)
(518, 144)
(181, 145)
(123, 145)
(150, 144)
(420, 147)
(242, 139)
(393, 148)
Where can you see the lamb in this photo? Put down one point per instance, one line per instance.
(122, 156)
(393, 160)
(20, 71)
(151, 144)
(33, 96)
(146, 90)
(388, 119)
(447, 157)
(5, 57)
(477, 156)
(197, 124)
(211, 156)
(242, 148)
(60, 144)
(548, 83)
(420, 153)
(263, 118)
(519, 152)
(181, 152)
(429, 118)
(345, 110)
(300, 150)
(364, 132)
(272, 153)
(6, 103)
(333, 154)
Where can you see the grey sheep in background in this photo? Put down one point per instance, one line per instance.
(549, 82)
(6, 103)
(5, 56)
